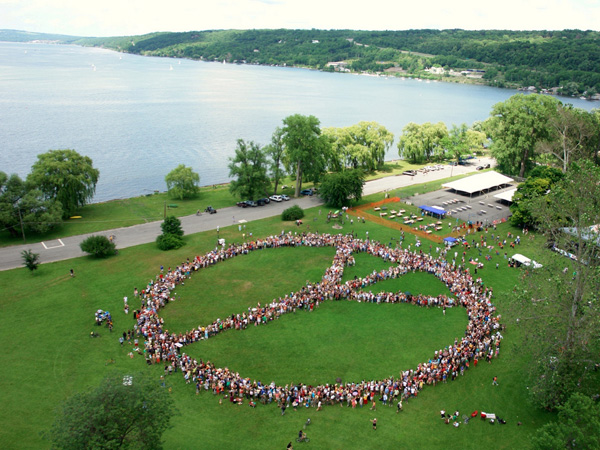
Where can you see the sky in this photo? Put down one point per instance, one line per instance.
(134, 17)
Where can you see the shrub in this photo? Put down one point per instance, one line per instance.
(98, 246)
(30, 260)
(293, 213)
(172, 225)
(167, 241)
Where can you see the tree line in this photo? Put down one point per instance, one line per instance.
(568, 60)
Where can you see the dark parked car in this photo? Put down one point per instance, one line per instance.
(262, 201)
(251, 203)
(242, 204)
(210, 210)
(306, 192)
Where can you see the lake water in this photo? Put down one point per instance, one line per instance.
(139, 117)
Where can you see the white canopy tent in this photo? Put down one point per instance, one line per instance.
(525, 261)
(480, 182)
(506, 195)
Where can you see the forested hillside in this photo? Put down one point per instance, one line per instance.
(567, 62)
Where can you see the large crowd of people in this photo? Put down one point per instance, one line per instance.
(481, 340)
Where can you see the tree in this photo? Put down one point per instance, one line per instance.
(172, 234)
(517, 126)
(339, 189)
(98, 246)
(559, 305)
(306, 150)
(570, 132)
(66, 176)
(578, 426)
(24, 208)
(418, 143)
(30, 260)
(455, 143)
(275, 151)
(539, 183)
(249, 171)
(172, 225)
(123, 412)
(182, 182)
(363, 145)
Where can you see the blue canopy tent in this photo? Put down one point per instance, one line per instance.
(450, 241)
(433, 211)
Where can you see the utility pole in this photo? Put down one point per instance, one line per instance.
(21, 222)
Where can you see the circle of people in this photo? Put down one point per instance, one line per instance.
(481, 340)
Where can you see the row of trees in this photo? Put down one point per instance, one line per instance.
(60, 183)
(300, 148)
(434, 142)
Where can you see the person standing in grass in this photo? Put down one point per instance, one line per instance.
(374, 422)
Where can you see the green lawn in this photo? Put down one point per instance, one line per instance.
(46, 319)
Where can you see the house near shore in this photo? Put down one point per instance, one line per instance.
(339, 66)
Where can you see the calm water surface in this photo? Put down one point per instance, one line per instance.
(139, 117)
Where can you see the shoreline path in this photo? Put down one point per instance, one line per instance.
(67, 248)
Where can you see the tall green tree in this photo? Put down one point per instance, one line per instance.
(182, 182)
(275, 151)
(570, 137)
(419, 143)
(342, 188)
(539, 183)
(125, 411)
(516, 128)
(249, 171)
(306, 149)
(559, 305)
(578, 426)
(66, 176)
(24, 208)
(363, 145)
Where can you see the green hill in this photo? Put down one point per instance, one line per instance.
(566, 62)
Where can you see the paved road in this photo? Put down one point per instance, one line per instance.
(66, 248)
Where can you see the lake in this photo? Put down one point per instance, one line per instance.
(139, 117)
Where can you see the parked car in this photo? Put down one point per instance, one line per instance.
(487, 166)
(411, 173)
(251, 203)
(242, 204)
(210, 210)
(479, 168)
(262, 201)
(276, 198)
(284, 197)
(306, 192)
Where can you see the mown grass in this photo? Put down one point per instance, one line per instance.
(46, 319)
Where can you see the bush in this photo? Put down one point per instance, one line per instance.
(98, 246)
(169, 241)
(293, 213)
(172, 225)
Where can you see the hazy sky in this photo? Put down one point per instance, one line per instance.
(131, 17)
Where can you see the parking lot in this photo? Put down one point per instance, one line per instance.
(478, 207)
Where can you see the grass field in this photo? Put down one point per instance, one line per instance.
(46, 319)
